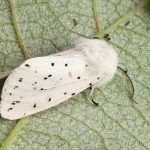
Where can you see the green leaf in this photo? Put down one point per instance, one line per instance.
(31, 28)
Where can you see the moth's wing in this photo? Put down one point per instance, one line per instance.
(43, 82)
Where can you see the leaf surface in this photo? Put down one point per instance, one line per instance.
(32, 28)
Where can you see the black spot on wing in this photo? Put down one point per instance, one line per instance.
(16, 101)
(90, 84)
(73, 94)
(27, 65)
(34, 106)
(20, 79)
(9, 109)
(49, 75)
(65, 93)
(34, 83)
(66, 65)
(78, 77)
(42, 89)
(49, 99)
(52, 64)
(15, 87)
(45, 78)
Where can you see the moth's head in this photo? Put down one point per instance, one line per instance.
(95, 45)
(100, 54)
(98, 50)
(90, 42)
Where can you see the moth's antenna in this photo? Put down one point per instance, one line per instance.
(125, 73)
(94, 102)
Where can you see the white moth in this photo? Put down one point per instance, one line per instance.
(43, 82)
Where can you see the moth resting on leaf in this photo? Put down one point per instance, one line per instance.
(43, 82)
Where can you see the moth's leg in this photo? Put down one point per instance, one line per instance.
(91, 96)
(92, 90)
